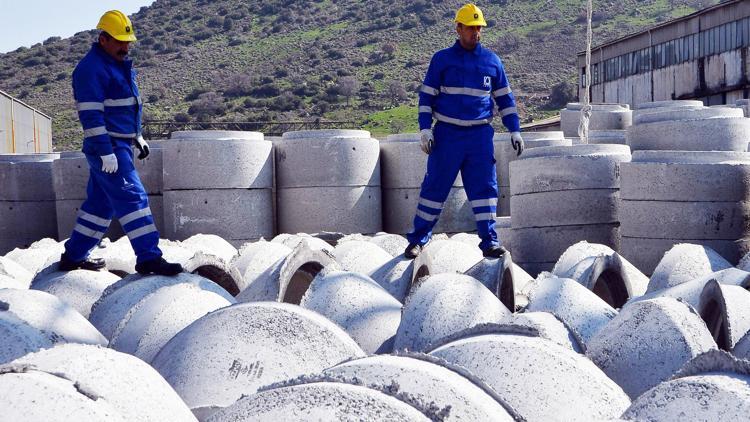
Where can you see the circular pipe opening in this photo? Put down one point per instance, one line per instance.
(220, 277)
(506, 291)
(713, 315)
(610, 287)
(300, 282)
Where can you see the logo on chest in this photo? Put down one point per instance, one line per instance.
(487, 81)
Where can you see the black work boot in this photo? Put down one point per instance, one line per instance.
(91, 264)
(158, 266)
(494, 252)
(412, 250)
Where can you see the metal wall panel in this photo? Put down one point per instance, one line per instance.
(22, 128)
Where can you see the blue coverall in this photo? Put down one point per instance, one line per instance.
(458, 92)
(109, 107)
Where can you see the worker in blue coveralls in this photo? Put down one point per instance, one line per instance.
(458, 92)
(110, 109)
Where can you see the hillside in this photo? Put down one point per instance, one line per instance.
(232, 60)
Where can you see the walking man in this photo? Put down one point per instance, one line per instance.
(110, 110)
(458, 91)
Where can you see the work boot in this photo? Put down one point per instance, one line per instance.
(158, 266)
(91, 264)
(412, 250)
(494, 252)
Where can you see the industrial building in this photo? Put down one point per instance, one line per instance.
(23, 128)
(700, 56)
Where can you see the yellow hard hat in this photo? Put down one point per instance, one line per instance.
(118, 25)
(470, 15)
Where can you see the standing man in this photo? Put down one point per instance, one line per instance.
(110, 110)
(458, 92)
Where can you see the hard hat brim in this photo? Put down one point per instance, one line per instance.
(126, 37)
(475, 22)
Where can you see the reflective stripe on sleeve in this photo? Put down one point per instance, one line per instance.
(429, 90)
(85, 106)
(94, 131)
(502, 91)
(509, 110)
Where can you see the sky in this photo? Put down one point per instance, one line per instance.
(27, 22)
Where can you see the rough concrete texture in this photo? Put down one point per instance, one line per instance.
(647, 342)
(256, 257)
(428, 380)
(711, 387)
(668, 104)
(210, 244)
(403, 164)
(394, 244)
(395, 276)
(360, 256)
(118, 256)
(293, 240)
(16, 227)
(527, 241)
(288, 279)
(38, 255)
(432, 312)
(548, 327)
(725, 312)
(151, 169)
(344, 209)
(445, 256)
(603, 117)
(24, 181)
(120, 300)
(471, 239)
(645, 253)
(602, 270)
(538, 378)
(368, 313)
(399, 206)
(550, 169)
(195, 164)
(670, 114)
(70, 176)
(51, 316)
(505, 154)
(157, 317)
(339, 158)
(711, 134)
(238, 349)
(564, 208)
(685, 220)
(582, 311)
(19, 338)
(11, 283)
(216, 270)
(504, 230)
(686, 176)
(228, 213)
(216, 135)
(742, 348)
(319, 401)
(685, 262)
(27, 394)
(607, 137)
(78, 288)
(14, 270)
(134, 389)
(497, 274)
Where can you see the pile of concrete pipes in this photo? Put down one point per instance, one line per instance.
(218, 182)
(505, 154)
(562, 195)
(328, 180)
(603, 117)
(687, 182)
(403, 166)
(27, 199)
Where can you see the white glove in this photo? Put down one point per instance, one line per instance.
(427, 141)
(109, 163)
(517, 142)
(142, 146)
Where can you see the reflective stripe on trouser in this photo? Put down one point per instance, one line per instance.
(121, 195)
(470, 151)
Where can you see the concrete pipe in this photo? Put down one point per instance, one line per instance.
(445, 256)
(343, 209)
(118, 256)
(686, 176)
(498, 276)
(548, 327)
(11, 283)
(122, 298)
(38, 255)
(504, 229)
(323, 400)
(579, 308)
(357, 304)
(228, 213)
(199, 161)
(130, 386)
(607, 137)
(603, 271)
(711, 387)
(711, 134)
(24, 222)
(432, 312)
(78, 288)
(19, 338)
(603, 117)
(428, 379)
(724, 309)
(669, 104)
(252, 345)
(394, 244)
(293, 240)
(210, 244)
(15, 271)
(471, 239)
(255, 258)
(33, 395)
(672, 114)
(51, 316)
(216, 270)
(400, 205)
(645, 253)
(27, 177)
(742, 348)
(360, 256)
(288, 279)
(395, 276)
(685, 220)
(159, 316)
(565, 208)
(690, 291)
(403, 164)
(151, 169)
(538, 378)
(647, 342)
(685, 262)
